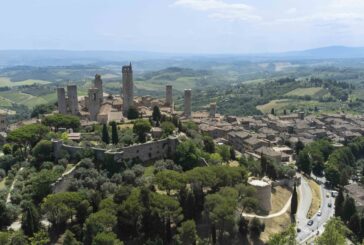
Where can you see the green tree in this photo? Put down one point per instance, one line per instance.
(141, 128)
(168, 210)
(43, 151)
(41, 184)
(69, 238)
(62, 121)
(40, 238)
(42, 109)
(354, 224)
(169, 180)
(114, 133)
(335, 233)
(287, 237)
(156, 115)
(221, 208)
(132, 113)
(61, 207)
(332, 174)
(349, 209)
(304, 162)
(299, 147)
(294, 201)
(18, 238)
(7, 149)
(106, 238)
(224, 152)
(27, 136)
(101, 221)
(339, 203)
(256, 227)
(167, 128)
(30, 219)
(188, 154)
(187, 234)
(105, 134)
(272, 111)
(209, 145)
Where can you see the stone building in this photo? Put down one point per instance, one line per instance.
(98, 85)
(187, 103)
(3, 122)
(263, 192)
(62, 103)
(128, 88)
(94, 103)
(72, 99)
(169, 95)
(212, 110)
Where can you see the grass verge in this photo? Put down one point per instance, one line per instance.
(316, 198)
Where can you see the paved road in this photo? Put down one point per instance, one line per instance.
(309, 232)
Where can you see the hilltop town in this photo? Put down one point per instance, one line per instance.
(281, 157)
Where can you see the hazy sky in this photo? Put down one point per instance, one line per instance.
(197, 26)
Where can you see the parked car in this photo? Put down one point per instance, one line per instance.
(329, 205)
(310, 222)
(319, 213)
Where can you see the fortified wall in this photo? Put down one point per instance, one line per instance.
(153, 150)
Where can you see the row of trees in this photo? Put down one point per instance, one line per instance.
(339, 165)
(345, 209)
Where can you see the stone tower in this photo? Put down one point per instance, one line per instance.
(3, 122)
(187, 103)
(72, 99)
(169, 95)
(62, 103)
(128, 93)
(212, 110)
(94, 103)
(98, 85)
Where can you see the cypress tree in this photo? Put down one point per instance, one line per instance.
(339, 202)
(105, 135)
(114, 133)
(30, 220)
(156, 114)
(349, 209)
(294, 201)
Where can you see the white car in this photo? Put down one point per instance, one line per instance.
(319, 213)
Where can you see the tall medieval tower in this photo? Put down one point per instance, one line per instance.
(94, 103)
(128, 93)
(73, 99)
(187, 103)
(98, 85)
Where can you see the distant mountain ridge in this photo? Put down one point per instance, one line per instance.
(331, 52)
(69, 57)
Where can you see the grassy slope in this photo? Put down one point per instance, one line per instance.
(5, 82)
(301, 92)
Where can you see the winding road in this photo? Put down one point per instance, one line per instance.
(308, 232)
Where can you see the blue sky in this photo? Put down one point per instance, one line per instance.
(181, 26)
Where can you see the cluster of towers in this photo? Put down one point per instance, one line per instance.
(69, 104)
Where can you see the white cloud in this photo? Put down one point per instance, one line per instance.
(221, 10)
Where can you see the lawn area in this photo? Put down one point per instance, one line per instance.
(276, 225)
(276, 104)
(280, 196)
(2, 184)
(316, 198)
(24, 99)
(148, 171)
(126, 125)
(313, 92)
(6, 82)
